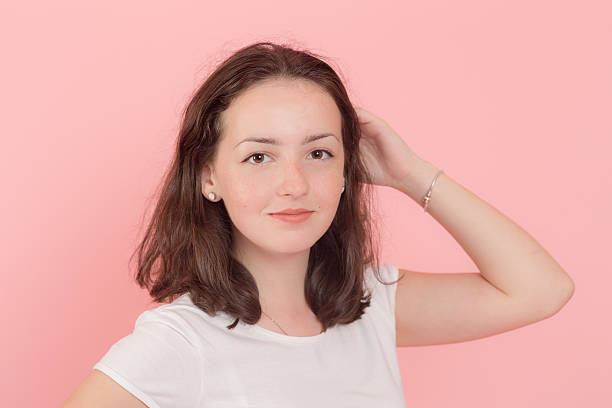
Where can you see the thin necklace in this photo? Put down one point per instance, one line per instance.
(274, 322)
(277, 323)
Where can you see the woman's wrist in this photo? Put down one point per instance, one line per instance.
(417, 179)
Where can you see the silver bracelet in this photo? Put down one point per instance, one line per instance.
(428, 195)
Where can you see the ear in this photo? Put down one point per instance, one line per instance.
(207, 179)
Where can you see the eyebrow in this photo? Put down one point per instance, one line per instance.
(270, 140)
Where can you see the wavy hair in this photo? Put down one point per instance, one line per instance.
(187, 244)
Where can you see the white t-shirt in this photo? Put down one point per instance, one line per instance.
(179, 356)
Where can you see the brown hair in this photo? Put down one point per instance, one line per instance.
(188, 240)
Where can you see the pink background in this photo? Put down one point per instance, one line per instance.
(513, 99)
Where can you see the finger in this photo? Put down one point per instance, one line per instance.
(362, 114)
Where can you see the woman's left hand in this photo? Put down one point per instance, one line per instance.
(385, 154)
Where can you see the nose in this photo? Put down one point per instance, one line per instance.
(293, 180)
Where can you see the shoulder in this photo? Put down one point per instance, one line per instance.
(160, 362)
(164, 329)
(381, 282)
(381, 275)
(183, 319)
(176, 317)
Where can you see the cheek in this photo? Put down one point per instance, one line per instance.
(246, 194)
(326, 193)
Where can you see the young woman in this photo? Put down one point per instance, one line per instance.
(263, 247)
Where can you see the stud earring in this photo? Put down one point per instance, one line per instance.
(211, 196)
(342, 190)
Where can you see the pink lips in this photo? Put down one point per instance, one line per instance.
(292, 218)
(292, 211)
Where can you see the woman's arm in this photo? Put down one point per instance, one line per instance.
(519, 282)
(505, 254)
(99, 391)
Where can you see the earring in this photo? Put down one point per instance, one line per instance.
(342, 188)
(211, 196)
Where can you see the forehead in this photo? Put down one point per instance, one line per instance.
(281, 108)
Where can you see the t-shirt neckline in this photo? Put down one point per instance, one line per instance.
(261, 332)
(255, 328)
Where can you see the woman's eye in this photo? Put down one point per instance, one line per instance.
(322, 150)
(256, 155)
(261, 155)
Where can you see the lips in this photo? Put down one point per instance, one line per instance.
(293, 212)
(293, 218)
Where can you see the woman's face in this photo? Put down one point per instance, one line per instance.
(255, 179)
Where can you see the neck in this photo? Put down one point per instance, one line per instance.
(279, 277)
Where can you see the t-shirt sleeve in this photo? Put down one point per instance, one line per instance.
(383, 296)
(386, 293)
(156, 362)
